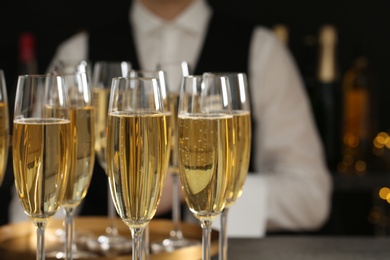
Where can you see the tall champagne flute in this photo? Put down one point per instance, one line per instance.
(4, 126)
(110, 243)
(138, 142)
(205, 148)
(161, 78)
(69, 67)
(82, 119)
(241, 110)
(41, 149)
(174, 72)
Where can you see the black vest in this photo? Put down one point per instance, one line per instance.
(226, 49)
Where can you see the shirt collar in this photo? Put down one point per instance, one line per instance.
(193, 19)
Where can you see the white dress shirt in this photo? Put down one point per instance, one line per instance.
(291, 187)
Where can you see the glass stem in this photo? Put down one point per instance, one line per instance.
(137, 250)
(223, 237)
(176, 233)
(113, 228)
(146, 243)
(69, 228)
(40, 240)
(206, 239)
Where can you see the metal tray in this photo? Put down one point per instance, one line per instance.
(18, 241)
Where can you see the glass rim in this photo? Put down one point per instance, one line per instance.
(72, 62)
(146, 71)
(51, 74)
(135, 78)
(111, 61)
(64, 74)
(223, 73)
(197, 76)
(37, 75)
(172, 62)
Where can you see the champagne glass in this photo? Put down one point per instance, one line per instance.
(110, 243)
(41, 148)
(238, 86)
(138, 142)
(4, 126)
(160, 76)
(174, 72)
(205, 148)
(69, 67)
(82, 119)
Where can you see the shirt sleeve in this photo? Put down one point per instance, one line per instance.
(73, 49)
(288, 153)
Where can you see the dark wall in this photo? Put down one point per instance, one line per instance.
(363, 27)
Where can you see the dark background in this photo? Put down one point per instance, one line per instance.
(363, 29)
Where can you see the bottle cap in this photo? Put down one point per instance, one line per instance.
(26, 47)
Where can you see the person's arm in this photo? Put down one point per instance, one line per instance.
(73, 49)
(287, 148)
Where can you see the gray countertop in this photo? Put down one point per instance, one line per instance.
(309, 248)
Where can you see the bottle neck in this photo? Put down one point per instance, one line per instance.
(281, 32)
(327, 66)
(27, 54)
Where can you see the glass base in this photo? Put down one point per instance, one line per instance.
(172, 244)
(110, 245)
(78, 247)
(76, 255)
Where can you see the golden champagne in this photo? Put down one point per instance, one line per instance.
(168, 135)
(41, 151)
(205, 154)
(137, 162)
(173, 108)
(101, 99)
(82, 130)
(242, 135)
(82, 159)
(4, 141)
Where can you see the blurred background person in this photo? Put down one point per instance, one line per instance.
(288, 187)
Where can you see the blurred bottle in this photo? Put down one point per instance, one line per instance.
(326, 97)
(307, 60)
(356, 118)
(27, 54)
(281, 32)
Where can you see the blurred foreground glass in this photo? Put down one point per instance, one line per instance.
(138, 143)
(41, 148)
(4, 126)
(242, 137)
(110, 243)
(205, 148)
